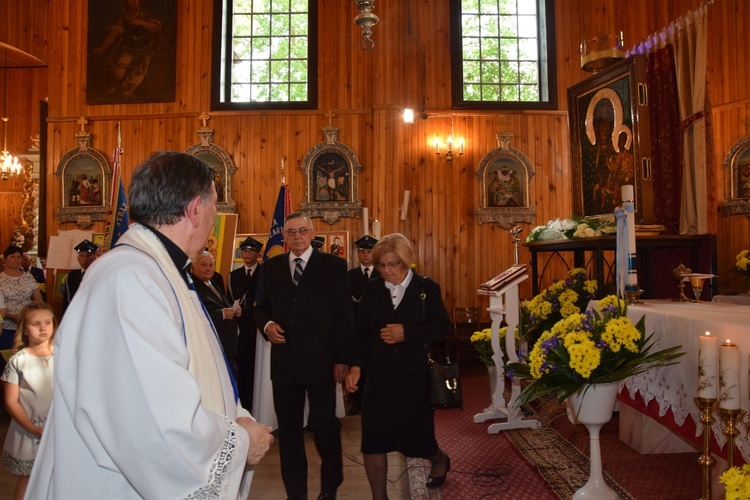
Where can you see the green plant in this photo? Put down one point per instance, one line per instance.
(594, 347)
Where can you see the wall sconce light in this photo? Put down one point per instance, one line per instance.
(366, 19)
(449, 143)
(408, 115)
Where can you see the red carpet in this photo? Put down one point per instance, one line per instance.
(474, 453)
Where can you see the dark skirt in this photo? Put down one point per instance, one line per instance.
(397, 416)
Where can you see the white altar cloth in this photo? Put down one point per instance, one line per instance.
(675, 387)
(742, 299)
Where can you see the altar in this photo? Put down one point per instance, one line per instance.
(667, 393)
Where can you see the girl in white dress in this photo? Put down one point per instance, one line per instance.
(27, 384)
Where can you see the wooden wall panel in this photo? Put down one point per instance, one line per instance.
(409, 67)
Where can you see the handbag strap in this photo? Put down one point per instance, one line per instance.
(423, 299)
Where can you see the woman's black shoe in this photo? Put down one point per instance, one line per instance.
(434, 482)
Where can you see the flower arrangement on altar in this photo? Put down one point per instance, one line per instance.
(573, 228)
(558, 301)
(737, 482)
(482, 341)
(598, 346)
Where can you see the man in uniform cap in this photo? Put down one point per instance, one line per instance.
(242, 283)
(317, 242)
(358, 278)
(86, 256)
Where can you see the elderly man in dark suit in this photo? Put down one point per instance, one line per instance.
(358, 278)
(242, 285)
(223, 313)
(305, 309)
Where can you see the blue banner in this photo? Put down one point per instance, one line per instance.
(275, 243)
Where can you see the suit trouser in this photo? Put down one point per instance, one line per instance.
(289, 403)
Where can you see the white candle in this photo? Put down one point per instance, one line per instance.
(729, 361)
(365, 221)
(376, 229)
(631, 282)
(708, 366)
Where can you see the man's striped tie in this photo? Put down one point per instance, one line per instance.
(297, 270)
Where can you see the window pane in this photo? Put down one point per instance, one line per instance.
(496, 45)
(270, 58)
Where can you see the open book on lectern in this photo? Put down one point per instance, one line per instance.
(503, 278)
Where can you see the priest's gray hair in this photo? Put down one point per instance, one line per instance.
(163, 186)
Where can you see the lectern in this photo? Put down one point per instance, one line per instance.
(504, 304)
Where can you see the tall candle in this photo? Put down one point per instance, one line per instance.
(628, 202)
(729, 361)
(708, 366)
(365, 221)
(376, 229)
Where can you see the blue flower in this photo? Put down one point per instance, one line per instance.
(509, 373)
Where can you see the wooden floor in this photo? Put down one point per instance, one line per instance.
(267, 482)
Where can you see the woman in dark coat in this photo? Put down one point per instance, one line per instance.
(399, 313)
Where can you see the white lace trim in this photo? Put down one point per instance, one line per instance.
(212, 490)
(672, 394)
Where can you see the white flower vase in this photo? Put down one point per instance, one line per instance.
(592, 406)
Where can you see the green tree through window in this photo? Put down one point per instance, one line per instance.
(267, 54)
(503, 54)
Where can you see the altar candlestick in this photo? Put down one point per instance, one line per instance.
(729, 362)
(708, 366)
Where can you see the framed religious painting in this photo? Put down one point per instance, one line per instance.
(504, 186)
(85, 178)
(331, 170)
(336, 242)
(132, 51)
(737, 165)
(609, 134)
(219, 160)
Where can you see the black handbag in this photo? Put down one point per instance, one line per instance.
(445, 383)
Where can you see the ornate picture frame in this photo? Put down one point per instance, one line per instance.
(219, 160)
(610, 141)
(330, 170)
(85, 180)
(504, 186)
(737, 165)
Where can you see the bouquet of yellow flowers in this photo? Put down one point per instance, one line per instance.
(482, 342)
(560, 300)
(595, 347)
(743, 263)
(737, 482)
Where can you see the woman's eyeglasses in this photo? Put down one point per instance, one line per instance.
(388, 265)
(301, 231)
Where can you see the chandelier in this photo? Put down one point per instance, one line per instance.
(9, 165)
(366, 19)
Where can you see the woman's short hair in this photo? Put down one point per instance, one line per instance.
(11, 250)
(395, 243)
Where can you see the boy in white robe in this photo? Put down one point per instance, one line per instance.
(144, 403)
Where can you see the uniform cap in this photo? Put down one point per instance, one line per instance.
(251, 242)
(86, 246)
(367, 242)
(317, 242)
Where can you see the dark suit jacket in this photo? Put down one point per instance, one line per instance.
(70, 287)
(244, 290)
(226, 328)
(38, 274)
(376, 310)
(357, 281)
(317, 317)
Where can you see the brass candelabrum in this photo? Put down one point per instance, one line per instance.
(730, 418)
(706, 407)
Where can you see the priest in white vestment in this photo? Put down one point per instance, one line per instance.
(144, 403)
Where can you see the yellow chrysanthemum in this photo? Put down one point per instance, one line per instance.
(591, 286)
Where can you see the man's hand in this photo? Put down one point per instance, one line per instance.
(352, 378)
(275, 333)
(260, 439)
(339, 372)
